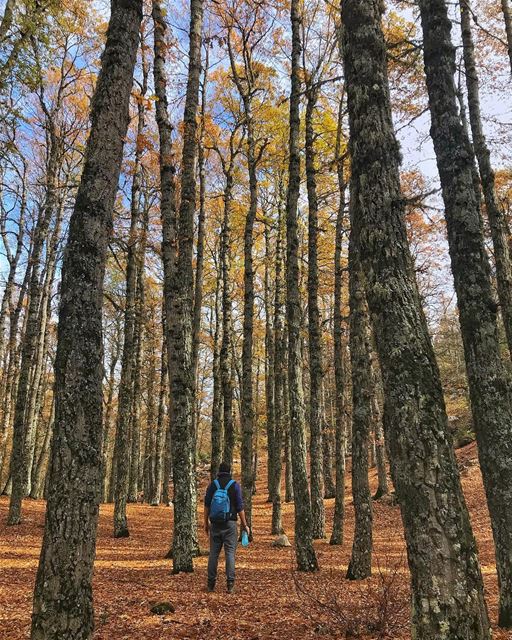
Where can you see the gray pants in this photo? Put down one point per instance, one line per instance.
(224, 534)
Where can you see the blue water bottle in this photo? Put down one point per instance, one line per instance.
(245, 539)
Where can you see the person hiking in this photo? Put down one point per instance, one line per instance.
(222, 505)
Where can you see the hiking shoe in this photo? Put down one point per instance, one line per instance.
(231, 587)
(211, 587)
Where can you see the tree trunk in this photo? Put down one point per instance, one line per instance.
(327, 453)
(125, 427)
(41, 355)
(507, 15)
(247, 413)
(41, 466)
(225, 362)
(167, 205)
(217, 429)
(380, 448)
(314, 330)
(136, 466)
(22, 437)
(198, 288)
(305, 553)
(360, 566)
(269, 371)
(495, 214)
(11, 375)
(447, 590)
(63, 605)
(490, 384)
(340, 378)
(279, 378)
(109, 424)
(180, 321)
(161, 431)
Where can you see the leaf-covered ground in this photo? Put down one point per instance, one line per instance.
(271, 600)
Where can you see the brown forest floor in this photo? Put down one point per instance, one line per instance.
(271, 601)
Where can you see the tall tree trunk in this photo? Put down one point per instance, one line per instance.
(22, 439)
(507, 15)
(150, 451)
(490, 384)
(109, 424)
(181, 372)
(198, 288)
(136, 467)
(269, 371)
(447, 590)
(217, 429)
(41, 354)
(246, 90)
(495, 214)
(362, 390)
(339, 346)
(314, 329)
(225, 360)
(63, 605)
(247, 413)
(305, 553)
(13, 260)
(9, 383)
(167, 205)
(161, 431)
(125, 427)
(279, 377)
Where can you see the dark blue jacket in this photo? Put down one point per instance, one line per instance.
(234, 492)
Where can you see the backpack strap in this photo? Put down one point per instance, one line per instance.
(229, 484)
(216, 483)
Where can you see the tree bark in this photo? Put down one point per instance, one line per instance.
(490, 384)
(109, 424)
(340, 378)
(507, 16)
(279, 378)
(314, 330)
(360, 566)
(63, 605)
(168, 210)
(305, 553)
(180, 321)
(161, 430)
(225, 361)
(447, 590)
(269, 369)
(495, 213)
(217, 425)
(125, 427)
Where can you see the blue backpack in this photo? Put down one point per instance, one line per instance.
(220, 509)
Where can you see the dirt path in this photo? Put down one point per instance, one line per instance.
(131, 574)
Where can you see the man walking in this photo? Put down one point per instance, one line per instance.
(222, 505)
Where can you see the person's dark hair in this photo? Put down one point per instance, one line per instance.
(224, 467)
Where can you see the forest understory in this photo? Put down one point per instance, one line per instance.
(272, 600)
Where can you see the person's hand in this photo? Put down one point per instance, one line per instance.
(248, 531)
